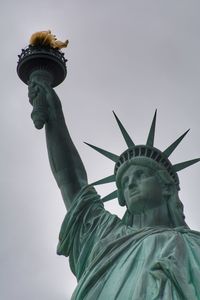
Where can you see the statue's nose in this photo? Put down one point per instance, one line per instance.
(132, 184)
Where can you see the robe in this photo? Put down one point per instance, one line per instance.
(114, 261)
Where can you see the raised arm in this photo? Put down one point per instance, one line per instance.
(65, 162)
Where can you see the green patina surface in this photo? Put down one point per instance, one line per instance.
(151, 253)
(113, 260)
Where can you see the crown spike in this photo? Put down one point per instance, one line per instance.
(109, 155)
(173, 146)
(110, 196)
(125, 134)
(108, 179)
(185, 164)
(150, 139)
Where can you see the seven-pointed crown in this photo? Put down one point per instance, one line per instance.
(147, 151)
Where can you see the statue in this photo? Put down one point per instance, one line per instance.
(151, 253)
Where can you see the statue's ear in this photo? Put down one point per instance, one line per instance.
(167, 190)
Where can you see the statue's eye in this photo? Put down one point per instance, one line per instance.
(140, 174)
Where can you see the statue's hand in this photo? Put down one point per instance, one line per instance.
(45, 102)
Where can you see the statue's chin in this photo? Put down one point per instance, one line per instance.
(138, 205)
(135, 204)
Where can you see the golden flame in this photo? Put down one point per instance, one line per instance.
(46, 38)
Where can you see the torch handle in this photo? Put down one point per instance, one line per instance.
(39, 114)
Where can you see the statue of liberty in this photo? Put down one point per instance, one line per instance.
(149, 254)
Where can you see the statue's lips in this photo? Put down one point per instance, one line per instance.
(133, 194)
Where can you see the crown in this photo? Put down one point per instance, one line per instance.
(147, 151)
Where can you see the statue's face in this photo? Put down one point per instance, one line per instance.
(141, 188)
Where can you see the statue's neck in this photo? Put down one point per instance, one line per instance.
(158, 216)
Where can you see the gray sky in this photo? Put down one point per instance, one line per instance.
(128, 56)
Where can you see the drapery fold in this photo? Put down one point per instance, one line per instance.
(114, 261)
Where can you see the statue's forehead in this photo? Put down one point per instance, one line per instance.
(133, 168)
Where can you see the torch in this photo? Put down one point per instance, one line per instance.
(42, 61)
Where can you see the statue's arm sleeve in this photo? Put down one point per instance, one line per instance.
(85, 224)
(64, 159)
(65, 162)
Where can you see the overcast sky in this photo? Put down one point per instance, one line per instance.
(128, 56)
